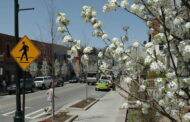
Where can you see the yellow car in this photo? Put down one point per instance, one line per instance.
(102, 85)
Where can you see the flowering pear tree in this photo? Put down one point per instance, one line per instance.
(33, 69)
(172, 83)
(64, 69)
(63, 23)
(57, 67)
(45, 70)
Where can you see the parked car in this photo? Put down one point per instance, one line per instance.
(43, 82)
(59, 81)
(102, 85)
(74, 79)
(29, 86)
(92, 78)
(108, 78)
(82, 79)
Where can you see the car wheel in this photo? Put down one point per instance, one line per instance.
(50, 85)
(88, 83)
(43, 86)
(32, 89)
(9, 93)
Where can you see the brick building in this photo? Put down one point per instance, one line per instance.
(8, 64)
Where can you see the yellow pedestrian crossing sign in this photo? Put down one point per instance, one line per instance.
(25, 52)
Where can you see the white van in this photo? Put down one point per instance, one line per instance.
(43, 82)
(92, 78)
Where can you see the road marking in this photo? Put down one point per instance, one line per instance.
(38, 115)
(34, 112)
(39, 97)
(9, 113)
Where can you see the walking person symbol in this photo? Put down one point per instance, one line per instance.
(25, 49)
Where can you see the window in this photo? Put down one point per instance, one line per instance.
(161, 46)
(8, 51)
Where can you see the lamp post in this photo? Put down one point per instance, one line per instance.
(18, 114)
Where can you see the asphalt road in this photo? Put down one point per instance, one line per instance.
(36, 102)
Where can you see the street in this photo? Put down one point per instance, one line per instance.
(36, 102)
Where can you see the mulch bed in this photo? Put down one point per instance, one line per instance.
(83, 103)
(59, 117)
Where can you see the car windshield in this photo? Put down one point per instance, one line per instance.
(105, 78)
(27, 80)
(91, 74)
(102, 81)
(38, 79)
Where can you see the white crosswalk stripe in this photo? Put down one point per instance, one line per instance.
(30, 115)
(8, 113)
(35, 114)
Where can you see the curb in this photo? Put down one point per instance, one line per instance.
(73, 117)
(85, 108)
(91, 104)
(3, 93)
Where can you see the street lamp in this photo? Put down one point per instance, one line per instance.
(19, 116)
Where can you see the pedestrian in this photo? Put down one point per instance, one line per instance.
(4, 84)
(49, 94)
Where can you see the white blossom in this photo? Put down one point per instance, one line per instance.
(144, 110)
(61, 29)
(148, 59)
(124, 106)
(181, 104)
(87, 50)
(161, 102)
(170, 94)
(105, 36)
(187, 25)
(157, 66)
(187, 116)
(170, 75)
(67, 39)
(100, 54)
(62, 20)
(186, 52)
(181, 93)
(106, 8)
(136, 44)
(73, 50)
(134, 8)
(142, 88)
(127, 80)
(178, 21)
(149, 44)
(138, 103)
(159, 37)
(124, 3)
(172, 86)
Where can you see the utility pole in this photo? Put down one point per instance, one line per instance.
(18, 114)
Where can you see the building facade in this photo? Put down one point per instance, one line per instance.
(8, 64)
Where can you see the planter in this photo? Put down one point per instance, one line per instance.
(83, 104)
(59, 117)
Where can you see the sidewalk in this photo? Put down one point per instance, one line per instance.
(107, 109)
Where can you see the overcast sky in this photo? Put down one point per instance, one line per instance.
(34, 23)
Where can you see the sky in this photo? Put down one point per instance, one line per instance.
(34, 23)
